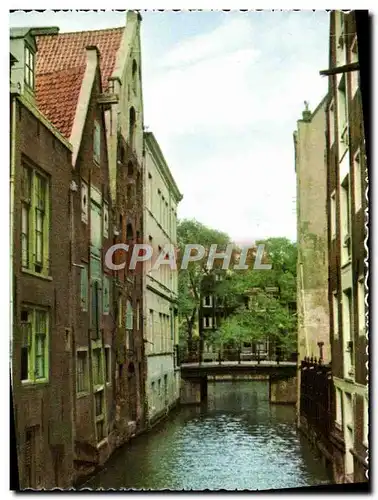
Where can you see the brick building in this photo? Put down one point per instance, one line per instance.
(41, 340)
(88, 85)
(347, 206)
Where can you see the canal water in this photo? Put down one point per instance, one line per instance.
(236, 441)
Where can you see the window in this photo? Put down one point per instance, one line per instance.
(100, 415)
(120, 311)
(84, 202)
(106, 220)
(345, 219)
(357, 181)
(134, 75)
(130, 169)
(84, 288)
(34, 220)
(106, 295)
(31, 457)
(339, 408)
(96, 234)
(347, 333)
(365, 439)
(96, 142)
(129, 316)
(361, 308)
(137, 315)
(29, 67)
(96, 308)
(354, 75)
(82, 384)
(343, 115)
(150, 192)
(331, 118)
(108, 365)
(25, 220)
(34, 349)
(208, 301)
(151, 322)
(335, 307)
(132, 127)
(97, 367)
(207, 321)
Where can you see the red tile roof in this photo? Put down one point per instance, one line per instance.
(57, 95)
(61, 62)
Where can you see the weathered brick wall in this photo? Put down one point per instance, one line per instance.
(46, 405)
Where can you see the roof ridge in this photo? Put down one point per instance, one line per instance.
(90, 31)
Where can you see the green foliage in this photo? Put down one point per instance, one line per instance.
(190, 281)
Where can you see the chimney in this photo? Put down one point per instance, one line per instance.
(306, 114)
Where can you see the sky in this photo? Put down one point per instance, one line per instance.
(222, 94)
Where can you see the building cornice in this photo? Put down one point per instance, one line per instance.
(154, 148)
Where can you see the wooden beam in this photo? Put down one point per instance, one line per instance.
(341, 69)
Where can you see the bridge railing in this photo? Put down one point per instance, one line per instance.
(233, 354)
(316, 395)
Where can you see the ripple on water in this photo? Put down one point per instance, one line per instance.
(238, 442)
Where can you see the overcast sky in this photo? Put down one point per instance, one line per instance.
(222, 94)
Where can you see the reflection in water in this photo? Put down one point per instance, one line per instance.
(236, 441)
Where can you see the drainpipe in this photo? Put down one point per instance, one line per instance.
(304, 310)
(307, 348)
(12, 175)
(72, 189)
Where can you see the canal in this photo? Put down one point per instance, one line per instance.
(236, 441)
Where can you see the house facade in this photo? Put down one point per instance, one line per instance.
(347, 213)
(314, 348)
(161, 284)
(312, 264)
(41, 330)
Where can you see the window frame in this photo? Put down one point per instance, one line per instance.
(40, 268)
(84, 287)
(106, 287)
(108, 364)
(31, 347)
(29, 66)
(85, 391)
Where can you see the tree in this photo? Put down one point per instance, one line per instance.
(256, 313)
(190, 281)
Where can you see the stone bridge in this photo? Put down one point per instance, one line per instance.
(282, 378)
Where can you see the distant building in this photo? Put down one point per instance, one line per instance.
(161, 285)
(347, 205)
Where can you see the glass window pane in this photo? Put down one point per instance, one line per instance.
(96, 235)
